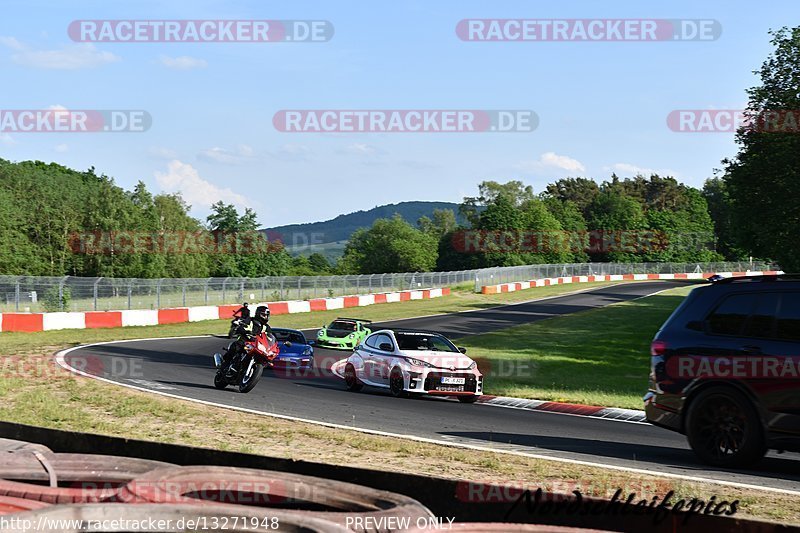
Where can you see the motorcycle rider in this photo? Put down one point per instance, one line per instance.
(242, 312)
(249, 327)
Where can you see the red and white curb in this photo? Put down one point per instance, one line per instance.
(544, 282)
(32, 322)
(591, 411)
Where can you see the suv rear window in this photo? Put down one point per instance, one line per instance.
(769, 315)
(762, 322)
(789, 317)
(731, 315)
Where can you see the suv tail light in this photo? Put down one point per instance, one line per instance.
(658, 348)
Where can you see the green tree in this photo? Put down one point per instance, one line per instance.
(319, 263)
(580, 191)
(720, 207)
(488, 192)
(613, 214)
(762, 179)
(390, 245)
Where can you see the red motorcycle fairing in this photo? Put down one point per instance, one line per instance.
(262, 347)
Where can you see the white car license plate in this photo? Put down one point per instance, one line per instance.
(453, 381)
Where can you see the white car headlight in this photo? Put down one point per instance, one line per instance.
(419, 362)
(352, 336)
(473, 366)
(320, 333)
(307, 351)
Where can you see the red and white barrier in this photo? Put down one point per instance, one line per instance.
(544, 282)
(146, 317)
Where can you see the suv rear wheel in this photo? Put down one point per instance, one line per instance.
(724, 428)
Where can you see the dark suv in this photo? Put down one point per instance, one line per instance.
(725, 369)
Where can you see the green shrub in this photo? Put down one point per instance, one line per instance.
(52, 301)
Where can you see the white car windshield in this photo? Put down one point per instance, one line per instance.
(423, 341)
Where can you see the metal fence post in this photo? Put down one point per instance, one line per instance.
(130, 292)
(94, 293)
(16, 296)
(158, 293)
(183, 288)
(61, 294)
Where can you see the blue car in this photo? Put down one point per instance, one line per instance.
(296, 352)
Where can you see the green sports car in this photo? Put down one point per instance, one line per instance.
(343, 333)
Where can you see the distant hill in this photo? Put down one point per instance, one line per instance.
(329, 236)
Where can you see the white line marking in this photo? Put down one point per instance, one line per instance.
(62, 362)
(152, 384)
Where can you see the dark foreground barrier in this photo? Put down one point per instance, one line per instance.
(444, 497)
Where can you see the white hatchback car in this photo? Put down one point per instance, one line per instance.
(413, 362)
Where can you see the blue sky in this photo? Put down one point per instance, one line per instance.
(602, 105)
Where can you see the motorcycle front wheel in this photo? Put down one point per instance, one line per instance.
(250, 377)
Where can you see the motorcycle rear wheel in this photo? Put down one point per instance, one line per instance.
(219, 380)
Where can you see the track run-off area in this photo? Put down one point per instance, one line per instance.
(183, 368)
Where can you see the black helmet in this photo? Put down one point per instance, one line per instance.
(262, 311)
(244, 304)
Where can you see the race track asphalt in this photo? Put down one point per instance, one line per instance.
(184, 367)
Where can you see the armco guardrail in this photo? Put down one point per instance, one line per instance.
(32, 322)
(447, 499)
(69, 293)
(544, 282)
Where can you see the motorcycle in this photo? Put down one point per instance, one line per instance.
(235, 323)
(246, 367)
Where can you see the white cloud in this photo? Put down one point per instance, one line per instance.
(12, 43)
(182, 62)
(159, 152)
(240, 155)
(549, 160)
(69, 57)
(61, 148)
(183, 178)
(552, 159)
(7, 139)
(292, 152)
(360, 149)
(628, 169)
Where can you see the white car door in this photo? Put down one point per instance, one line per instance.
(368, 352)
(382, 358)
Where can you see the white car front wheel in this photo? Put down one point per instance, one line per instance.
(397, 383)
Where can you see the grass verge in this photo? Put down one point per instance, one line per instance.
(596, 357)
(461, 299)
